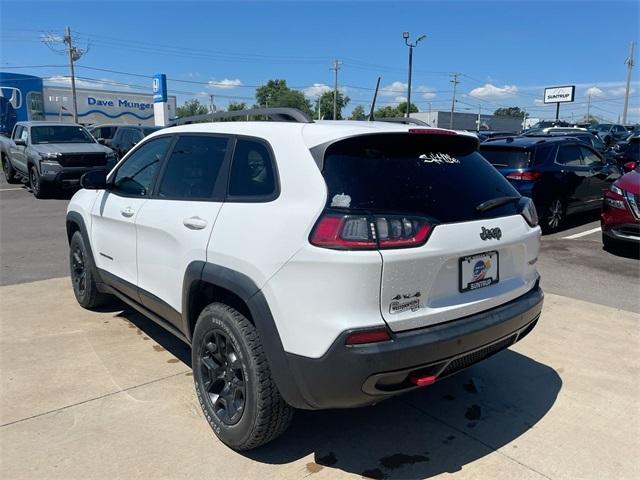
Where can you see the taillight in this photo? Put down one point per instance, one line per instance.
(368, 336)
(432, 131)
(523, 176)
(359, 232)
(529, 211)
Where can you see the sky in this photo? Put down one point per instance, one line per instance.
(505, 52)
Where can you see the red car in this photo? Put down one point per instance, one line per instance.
(620, 217)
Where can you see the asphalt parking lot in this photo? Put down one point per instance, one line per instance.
(109, 394)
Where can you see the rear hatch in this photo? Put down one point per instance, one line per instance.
(506, 159)
(415, 195)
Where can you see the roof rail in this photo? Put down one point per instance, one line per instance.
(276, 114)
(405, 120)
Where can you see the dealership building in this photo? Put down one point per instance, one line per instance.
(27, 97)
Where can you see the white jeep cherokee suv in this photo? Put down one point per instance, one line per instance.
(310, 265)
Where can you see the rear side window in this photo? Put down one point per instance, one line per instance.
(252, 172)
(569, 155)
(506, 157)
(193, 167)
(441, 177)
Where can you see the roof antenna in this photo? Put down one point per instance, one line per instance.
(373, 104)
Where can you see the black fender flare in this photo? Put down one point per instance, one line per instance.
(247, 291)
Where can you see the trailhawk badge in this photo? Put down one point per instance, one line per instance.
(403, 302)
(489, 233)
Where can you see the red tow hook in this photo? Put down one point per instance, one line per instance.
(422, 380)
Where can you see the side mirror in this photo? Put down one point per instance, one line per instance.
(20, 142)
(94, 180)
(629, 166)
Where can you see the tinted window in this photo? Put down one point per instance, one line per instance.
(193, 167)
(252, 172)
(147, 130)
(60, 134)
(439, 176)
(506, 157)
(136, 175)
(598, 144)
(590, 158)
(569, 155)
(128, 136)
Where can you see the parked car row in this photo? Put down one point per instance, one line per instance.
(51, 155)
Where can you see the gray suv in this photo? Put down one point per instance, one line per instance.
(52, 154)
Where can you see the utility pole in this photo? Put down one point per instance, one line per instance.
(319, 107)
(411, 46)
(454, 81)
(588, 120)
(212, 107)
(74, 54)
(479, 114)
(629, 62)
(524, 121)
(335, 68)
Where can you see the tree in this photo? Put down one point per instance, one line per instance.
(509, 112)
(276, 93)
(234, 106)
(402, 109)
(399, 111)
(326, 105)
(190, 108)
(358, 113)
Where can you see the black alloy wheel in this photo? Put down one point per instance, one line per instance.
(78, 271)
(223, 378)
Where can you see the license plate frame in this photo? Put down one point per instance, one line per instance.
(467, 286)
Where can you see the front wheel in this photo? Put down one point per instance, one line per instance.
(38, 187)
(82, 276)
(553, 216)
(233, 381)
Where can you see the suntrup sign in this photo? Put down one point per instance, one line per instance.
(559, 94)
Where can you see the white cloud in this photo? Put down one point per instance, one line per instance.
(401, 99)
(100, 84)
(618, 92)
(594, 92)
(50, 37)
(492, 91)
(538, 101)
(316, 90)
(427, 92)
(393, 89)
(225, 84)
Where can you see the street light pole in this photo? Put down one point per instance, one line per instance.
(411, 46)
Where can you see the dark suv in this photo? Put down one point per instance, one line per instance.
(121, 138)
(561, 174)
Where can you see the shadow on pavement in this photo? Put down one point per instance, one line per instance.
(578, 219)
(425, 433)
(429, 432)
(625, 250)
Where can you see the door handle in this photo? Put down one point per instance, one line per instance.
(194, 223)
(127, 212)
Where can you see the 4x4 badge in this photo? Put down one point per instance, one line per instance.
(489, 233)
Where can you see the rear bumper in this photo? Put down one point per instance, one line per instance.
(352, 376)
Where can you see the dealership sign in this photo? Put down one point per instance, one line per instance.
(559, 94)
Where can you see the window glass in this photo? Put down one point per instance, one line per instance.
(193, 167)
(17, 132)
(440, 176)
(598, 144)
(135, 176)
(506, 157)
(60, 134)
(252, 170)
(590, 157)
(127, 136)
(24, 134)
(569, 155)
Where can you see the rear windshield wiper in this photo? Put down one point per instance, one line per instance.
(495, 202)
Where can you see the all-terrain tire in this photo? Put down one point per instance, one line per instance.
(82, 275)
(264, 414)
(39, 188)
(10, 173)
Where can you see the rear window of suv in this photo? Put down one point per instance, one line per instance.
(442, 177)
(507, 157)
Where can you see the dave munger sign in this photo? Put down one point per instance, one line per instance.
(559, 94)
